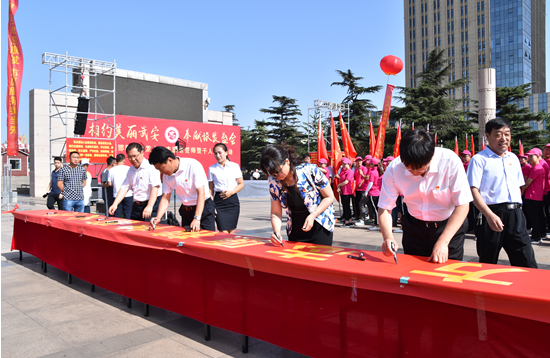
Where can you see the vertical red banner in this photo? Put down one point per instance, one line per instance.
(381, 135)
(15, 75)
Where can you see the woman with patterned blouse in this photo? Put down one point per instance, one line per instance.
(303, 192)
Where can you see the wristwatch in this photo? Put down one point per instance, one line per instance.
(198, 218)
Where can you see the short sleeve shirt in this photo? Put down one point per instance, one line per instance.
(546, 168)
(347, 175)
(373, 178)
(55, 187)
(361, 183)
(535, 189)
(142, 180)
(224, 177)
(526, 169)
(186, 180)
(72, 182)
(117, 175)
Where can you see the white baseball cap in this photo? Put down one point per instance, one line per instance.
(84, 161)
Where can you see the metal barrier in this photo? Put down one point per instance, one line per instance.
(6, 186)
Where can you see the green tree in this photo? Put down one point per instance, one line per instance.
(283, 124)
(252, 142)
(431, 103)
(231, 109)
(508, 100)
(358, 107)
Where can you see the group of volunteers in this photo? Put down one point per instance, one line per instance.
(139, 193)
(437, 196)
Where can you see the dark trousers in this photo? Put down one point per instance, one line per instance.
(372, 203)
(346, 201)
(514, 239)
(138, 207)
(53, 199)
(472, 214)
(357, 204)
(534, 214)
(419, 237)
(546, 201)
(125, 207)
(208, 219)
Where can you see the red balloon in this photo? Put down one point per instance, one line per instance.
(391, 65)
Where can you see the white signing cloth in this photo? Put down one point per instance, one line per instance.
(432, 197)
(224, 177)
(142, 180)
(189, 176)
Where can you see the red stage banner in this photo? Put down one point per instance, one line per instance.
(15, 75)
(199, 138)
(321, 146)
(381, 135)
(341, 307)
(95, 150)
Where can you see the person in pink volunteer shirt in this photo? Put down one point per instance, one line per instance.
(525, 166)
(546, 199)
(465, 156)
(357, 178)
(361, 182)
(325, 169)
(346, 190)
(533, 191)
(373, 189)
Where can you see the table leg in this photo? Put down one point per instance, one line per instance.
(245, 344)
(93, 288)
(20, 255)
(129, 302)
(207, 332)
(70, 278)
(146, 312)
(45, 267)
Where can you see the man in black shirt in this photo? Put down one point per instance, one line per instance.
(54, 194)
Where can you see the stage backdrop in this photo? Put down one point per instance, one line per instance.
(200, 138)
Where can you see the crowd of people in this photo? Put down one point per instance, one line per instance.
(435, 195)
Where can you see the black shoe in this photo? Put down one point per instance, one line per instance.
(536, 242)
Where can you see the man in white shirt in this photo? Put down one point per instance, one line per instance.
(116, 176)
(187, 177)
(495, 177)
(434, 187)
(144, 180)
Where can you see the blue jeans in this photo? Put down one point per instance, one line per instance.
(77, 205)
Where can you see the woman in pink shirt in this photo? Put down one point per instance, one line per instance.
(346, 189)
(375, 183)
(361, 182)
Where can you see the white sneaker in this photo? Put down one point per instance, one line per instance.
(398, 231)
(360, 223)
(374, 228)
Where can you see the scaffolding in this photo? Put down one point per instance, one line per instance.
(324, 108)
(70, 78)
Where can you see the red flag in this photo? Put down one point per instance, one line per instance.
(473, 147)
(509, 147)
(15, 75)
(336, 155)
(521, 151)
(413, 126)
(436, 139)
(456, 145)
(381, 135)
(397, 141)
(321, 146)
(466, 143)
(372, 141)
(349, 149)
(483, 145)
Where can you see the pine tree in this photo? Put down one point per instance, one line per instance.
(431, 103)
(359, 108)
(231, 109)
(283, 124)
(253, 141)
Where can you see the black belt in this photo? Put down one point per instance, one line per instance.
(140, 203)
(507, 206)
(429, 224)
(191, 208)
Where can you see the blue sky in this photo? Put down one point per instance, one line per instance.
(246, 51)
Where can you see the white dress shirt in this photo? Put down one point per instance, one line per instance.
(142, 180)
(431, 197)
(224, 177)
(189, 176)
(498, 178)
(117, 174)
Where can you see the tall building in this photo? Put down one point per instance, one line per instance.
(508, 35)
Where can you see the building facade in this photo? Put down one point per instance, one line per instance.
(508, 35)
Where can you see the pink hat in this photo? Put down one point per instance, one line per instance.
(466, 152)
(346, 160)
(389, 159)
(368, 157)
(535, 151)
(522, 156)
(548, 145)
(323, 161)
(358, 158)
(375, 161)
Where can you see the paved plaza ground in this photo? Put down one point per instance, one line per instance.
(44, 316)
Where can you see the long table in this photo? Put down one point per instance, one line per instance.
(308, 298)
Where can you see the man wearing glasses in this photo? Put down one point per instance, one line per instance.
(144, 180)
(437, 196)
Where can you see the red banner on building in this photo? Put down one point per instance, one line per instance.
(199, 137)
(15, 75)
(95, 150)
(381, 135)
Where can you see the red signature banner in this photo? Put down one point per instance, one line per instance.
(199, 138)
(381, 135)
(15, 75)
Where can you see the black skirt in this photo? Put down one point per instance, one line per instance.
(227, 211)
